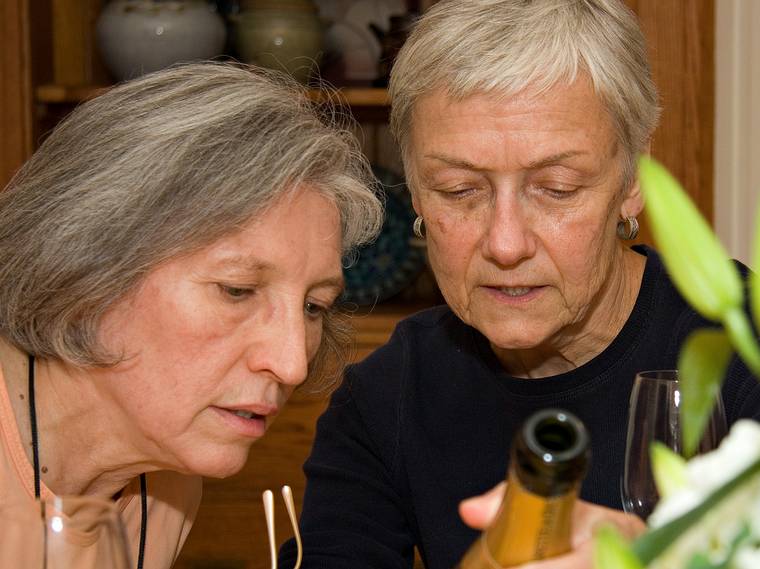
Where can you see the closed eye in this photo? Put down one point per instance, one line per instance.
(458, 193)
(235, 293)
(559, 194)
(462, 193)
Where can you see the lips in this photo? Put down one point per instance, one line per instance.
(245, 414)
(248, 411)
(516, 290)
(249, 421)
(514, 294)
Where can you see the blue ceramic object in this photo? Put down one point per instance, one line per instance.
(385, 267)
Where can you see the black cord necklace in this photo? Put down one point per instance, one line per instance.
(36, 462)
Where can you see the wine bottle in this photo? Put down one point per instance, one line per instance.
(548, 461)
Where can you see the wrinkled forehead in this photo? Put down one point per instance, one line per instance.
(562, 119)
(563, 94)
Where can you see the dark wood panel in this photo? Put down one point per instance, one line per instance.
(75, 56)
(15, 88)
(681, 39)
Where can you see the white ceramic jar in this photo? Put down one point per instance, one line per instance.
(140, 36)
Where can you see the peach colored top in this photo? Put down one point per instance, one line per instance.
(173, 498)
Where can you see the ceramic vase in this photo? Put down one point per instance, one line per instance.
(281, 34)
(140, 36)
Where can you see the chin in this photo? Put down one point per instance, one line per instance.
(222, 464)
(514, 344)
(515, 338)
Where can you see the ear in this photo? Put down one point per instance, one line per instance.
(633, 200)
(410, 184)
(415, 203)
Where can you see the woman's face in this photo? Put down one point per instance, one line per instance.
(217, 340)
(521, 197)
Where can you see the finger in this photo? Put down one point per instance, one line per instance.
(588, 517)
(630, 526)
(478, 512)
(584, 522)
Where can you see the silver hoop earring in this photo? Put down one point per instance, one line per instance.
(418, 227)
(628, 228)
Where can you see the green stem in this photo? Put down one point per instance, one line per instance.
(743, 339)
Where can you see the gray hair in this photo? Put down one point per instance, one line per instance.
(155, 168)
(507, 46)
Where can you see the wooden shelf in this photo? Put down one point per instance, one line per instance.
(351, 96)
(356, 97)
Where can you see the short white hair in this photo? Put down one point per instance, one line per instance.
(507, 46)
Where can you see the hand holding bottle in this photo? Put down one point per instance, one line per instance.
(478, 512)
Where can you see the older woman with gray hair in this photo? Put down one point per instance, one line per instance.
(169, 259)
(519, 124)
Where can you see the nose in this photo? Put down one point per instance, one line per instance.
(509, 236)
(283, 348)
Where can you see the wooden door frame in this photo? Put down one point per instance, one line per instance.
(15, 87)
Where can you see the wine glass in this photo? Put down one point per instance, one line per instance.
(62, 533)
(654, 414)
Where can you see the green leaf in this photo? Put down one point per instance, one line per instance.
(695, 259)
(701, 368)
(611, 551)
(654, 542)
(669, 469)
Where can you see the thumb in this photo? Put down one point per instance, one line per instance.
(478, 512)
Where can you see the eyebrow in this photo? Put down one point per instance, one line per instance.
(535, 165)
(336, 283)
(456, 162)
(554, 159)
(246, 263)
